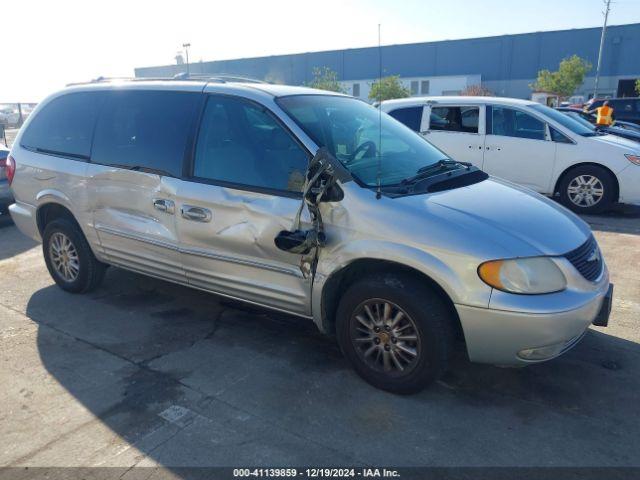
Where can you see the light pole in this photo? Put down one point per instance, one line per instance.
(604, 30)
(186, 49)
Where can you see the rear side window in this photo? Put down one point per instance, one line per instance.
(243, 144)
(146, 130)
(508, 122)
(65, 125)
(410, 116)
(455, 119)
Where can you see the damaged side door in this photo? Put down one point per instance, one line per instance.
(246, 182)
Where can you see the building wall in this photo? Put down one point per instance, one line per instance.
(505, 64)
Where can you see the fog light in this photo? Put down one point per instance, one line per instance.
(541, 353)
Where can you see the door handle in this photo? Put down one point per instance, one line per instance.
(197, 214)
(164, 205)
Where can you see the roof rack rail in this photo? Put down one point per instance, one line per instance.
(217, 78)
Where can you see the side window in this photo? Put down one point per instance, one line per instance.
(145, 130)
(455, 119)
(411, 117)
(241, 143)
(65, 125)
(508, 122)
(558, 137)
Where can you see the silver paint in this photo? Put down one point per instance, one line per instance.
(444, 235)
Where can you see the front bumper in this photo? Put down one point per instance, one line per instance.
(508, 337)
(629, 185)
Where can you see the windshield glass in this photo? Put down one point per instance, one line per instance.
(349, 129)
(564, 120)
(578, 118)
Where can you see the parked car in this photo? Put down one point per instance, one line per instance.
(9, 117)
(529, 144)
(627, 130)
(310, 203)
(624, 109)
(6, 198)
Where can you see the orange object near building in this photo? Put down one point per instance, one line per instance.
(604, 115)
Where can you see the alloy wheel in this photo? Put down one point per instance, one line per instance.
(64, 256)
(385, 337)
(585, 191)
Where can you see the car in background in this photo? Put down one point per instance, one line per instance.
(620, 129)
(591, 118)
(8, 116)
(530, 144)
(6, 198)
(624, 109)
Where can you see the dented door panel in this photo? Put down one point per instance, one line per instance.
(234, 253)
(132, 231)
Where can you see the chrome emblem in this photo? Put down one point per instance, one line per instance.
(595, 256)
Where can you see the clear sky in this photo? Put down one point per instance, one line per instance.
(46, 44)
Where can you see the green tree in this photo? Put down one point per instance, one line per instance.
(388, 88)
(476, 91)
(326, 79)
(565, 80)
(638, 86)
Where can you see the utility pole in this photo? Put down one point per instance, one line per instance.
(604, 31)
(186, 49)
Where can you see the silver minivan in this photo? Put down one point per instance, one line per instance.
(311, 203)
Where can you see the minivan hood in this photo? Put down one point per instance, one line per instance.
(631, 146)
(520, 221)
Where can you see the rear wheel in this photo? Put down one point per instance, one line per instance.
(395, 331)
(587, 189)
(69, 258)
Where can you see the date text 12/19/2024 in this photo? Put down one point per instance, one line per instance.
(316, 472)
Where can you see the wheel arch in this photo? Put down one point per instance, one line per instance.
(342, 278)
(566, 171)
(51, 210)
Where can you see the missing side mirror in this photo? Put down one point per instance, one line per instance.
(299, 241)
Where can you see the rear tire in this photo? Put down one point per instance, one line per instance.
(417, 347)
(587, 189)
(69, 258)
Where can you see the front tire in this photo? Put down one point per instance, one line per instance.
(587, 189)
(69, 258)
(396, 332)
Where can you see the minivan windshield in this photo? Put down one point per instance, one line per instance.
(362, 138)
(566, 121)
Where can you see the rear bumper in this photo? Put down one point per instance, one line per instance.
(24, 216)
(629, 183)
(518, 338)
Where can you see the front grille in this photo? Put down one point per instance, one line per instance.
(587, 259)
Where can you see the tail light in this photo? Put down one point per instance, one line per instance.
(10, 164)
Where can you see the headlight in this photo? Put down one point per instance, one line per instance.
(633, 158)
(534, 275)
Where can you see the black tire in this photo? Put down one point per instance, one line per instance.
(90, 271)
(605, 179)
(429, 314)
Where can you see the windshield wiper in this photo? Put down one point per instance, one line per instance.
(428, 170)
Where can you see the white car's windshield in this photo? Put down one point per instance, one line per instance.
(578, 118)
(566, 121)
(364, 140)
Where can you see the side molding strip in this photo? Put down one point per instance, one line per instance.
(200, 253)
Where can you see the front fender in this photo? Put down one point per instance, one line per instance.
(456, 275)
